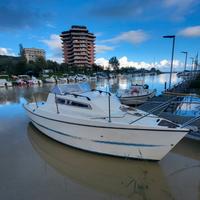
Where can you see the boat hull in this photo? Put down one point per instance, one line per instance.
(136, 100)
(104, 138)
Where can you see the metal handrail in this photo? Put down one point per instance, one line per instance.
(35, 101)
(101, 91)
(154, 109)
(56, 104)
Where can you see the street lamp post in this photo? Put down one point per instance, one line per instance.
(186, 54)
(192, 58)
(172, 58)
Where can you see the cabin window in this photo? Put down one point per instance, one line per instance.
(60, 101)
(78, 104)
(73, 103)
(167, 123)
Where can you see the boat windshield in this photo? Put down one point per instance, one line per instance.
(71, 88)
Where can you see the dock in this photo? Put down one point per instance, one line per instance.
(180, 90)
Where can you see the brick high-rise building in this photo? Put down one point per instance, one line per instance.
(78, 46)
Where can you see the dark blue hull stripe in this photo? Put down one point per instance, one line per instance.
(128, 144)
(99, 141)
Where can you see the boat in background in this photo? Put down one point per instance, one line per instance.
(136, 95)
(81, 77)
(5, 83)
(50, 80)
(35, 81)
(95, 121)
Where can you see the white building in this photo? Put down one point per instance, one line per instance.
(32, 54)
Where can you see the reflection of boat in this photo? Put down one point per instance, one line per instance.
(130, 179)
(188, 148)
(137, 94)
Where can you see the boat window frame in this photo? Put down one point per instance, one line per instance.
(77, 104)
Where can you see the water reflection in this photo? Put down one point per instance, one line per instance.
(155, 82)
(86, 175)
(121, 178)
(14, 94)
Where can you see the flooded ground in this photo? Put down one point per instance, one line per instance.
(34, 166)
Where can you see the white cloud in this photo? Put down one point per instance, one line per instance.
(163, 65)
(54, 42)
(134, 37)
(192, 31)
(103, 48)
(6, 52)
(55, 46)
(102, 61)
(55, 58)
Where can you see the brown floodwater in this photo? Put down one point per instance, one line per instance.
(34, 167)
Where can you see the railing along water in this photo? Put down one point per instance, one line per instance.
(154, 109)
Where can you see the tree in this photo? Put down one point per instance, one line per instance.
(96, 68)
(40, 64)
(153, 69)
(114, 63)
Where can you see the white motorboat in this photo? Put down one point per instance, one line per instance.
(96, 121)
(136, 95)
(35, 81)
(81, 77)
(5, 83)
(50, 80)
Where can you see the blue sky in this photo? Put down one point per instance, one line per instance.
(132, 30)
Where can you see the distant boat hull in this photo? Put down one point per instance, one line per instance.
(136, 99)
(50, 80)
(106, 138)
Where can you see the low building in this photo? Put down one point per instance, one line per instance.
(32, 54)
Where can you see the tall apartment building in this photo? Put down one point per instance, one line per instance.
(32, 54)
(78, 46)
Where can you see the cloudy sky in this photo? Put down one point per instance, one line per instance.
(132, 30)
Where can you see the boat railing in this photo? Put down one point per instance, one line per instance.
(36, 103)
(101, 91)
(109, 94)
(187, 123)
(155, 109)
(56, 104)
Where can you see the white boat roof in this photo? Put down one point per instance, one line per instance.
(71, 88)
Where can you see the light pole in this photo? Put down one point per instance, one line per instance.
(186, 54)
(192, 58)
(172, 58)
